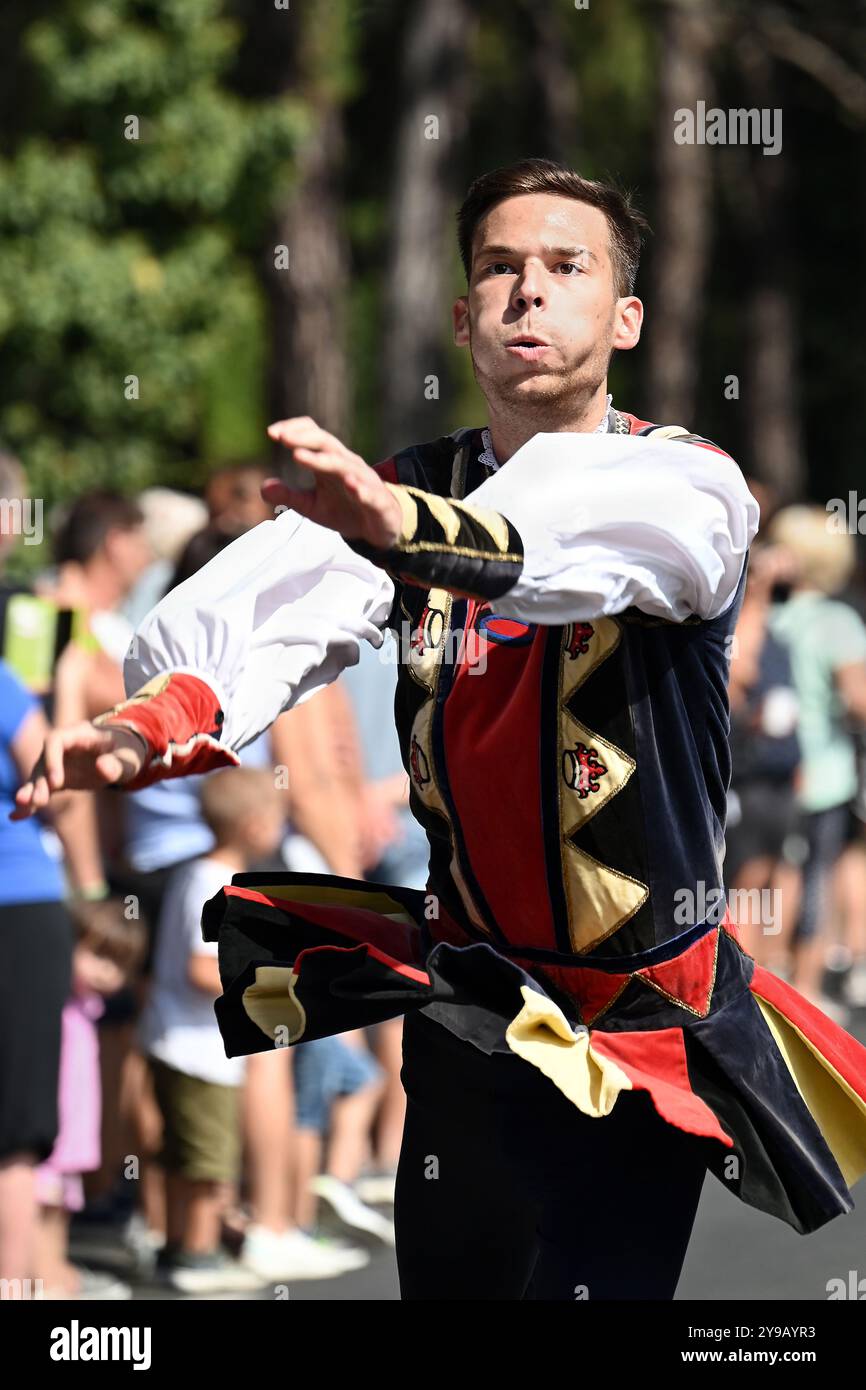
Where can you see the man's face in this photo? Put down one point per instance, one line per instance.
(234, 498)
(541, 267)
(129, 553)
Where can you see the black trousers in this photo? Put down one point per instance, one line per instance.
(506, 1191)
(35, 980)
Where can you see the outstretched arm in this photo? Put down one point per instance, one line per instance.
(573, 527)
(273, 618)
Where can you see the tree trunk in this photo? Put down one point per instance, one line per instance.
(554, 83)
(432, 119)
(307, 296)
(774, 440)
(308, 368)
(680, 243)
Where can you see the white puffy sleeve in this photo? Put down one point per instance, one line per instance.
(273, 618)
(608, 521)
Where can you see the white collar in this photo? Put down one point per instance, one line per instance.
(489, 459)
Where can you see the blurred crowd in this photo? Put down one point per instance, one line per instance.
(795, 860)
(119, 1111)
(121, 1118)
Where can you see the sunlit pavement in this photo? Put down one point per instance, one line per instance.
(735, 1253)
(739, 1253)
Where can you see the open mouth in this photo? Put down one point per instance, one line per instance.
(527, 349)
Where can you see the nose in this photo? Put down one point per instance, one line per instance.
(528, 289)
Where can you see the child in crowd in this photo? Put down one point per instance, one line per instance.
(338, 1087)
(196, 1085)
(109, 949)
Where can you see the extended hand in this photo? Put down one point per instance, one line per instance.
(81, 757)
(349, 496)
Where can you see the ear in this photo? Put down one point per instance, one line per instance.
(628, 317)
(460, 319)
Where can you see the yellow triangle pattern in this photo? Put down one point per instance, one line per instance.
(599, 899)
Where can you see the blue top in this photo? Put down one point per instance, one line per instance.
(28, 873)
(164, 823)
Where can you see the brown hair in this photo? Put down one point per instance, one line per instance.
(627, 226)
(199, 550)
(230, 795)
(86, 524)
(103, 928)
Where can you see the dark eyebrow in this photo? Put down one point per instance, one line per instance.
(572, 251)
(550, 250)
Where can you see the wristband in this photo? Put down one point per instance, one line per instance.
(180, 720)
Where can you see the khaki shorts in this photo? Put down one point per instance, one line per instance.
(201, 1140)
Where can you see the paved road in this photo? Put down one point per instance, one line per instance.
(735, 1253)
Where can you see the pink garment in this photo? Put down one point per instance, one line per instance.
(79, 1101)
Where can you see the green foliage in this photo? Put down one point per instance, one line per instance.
(123, 256)
(144, 257)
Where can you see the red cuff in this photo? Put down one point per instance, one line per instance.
(180, 719)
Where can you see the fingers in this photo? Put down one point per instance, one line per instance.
(279, 495)
(31, 797)
(50, 772)
(23, 798)
(109, 767)
(314, 447)
(360, 488)
(301, 430)
(55, 747)
(324, 461)
(78, 738)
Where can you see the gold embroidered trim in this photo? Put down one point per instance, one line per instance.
(587, 878)
(667, 432)
(442, 548)
(599, 899)
(494, 522)
(425, 668)
(448, 515)
(443, 512)
(609, 1005)
(408, 511)
(674, 999)
(149, 691)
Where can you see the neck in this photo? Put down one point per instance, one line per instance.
(509, 430)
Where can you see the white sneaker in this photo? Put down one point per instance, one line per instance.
(349, 1211)
(95, 1285)
(377, 1189)
(204, 1274)
(295, 1255)
(143, 1246)
(138, 1236)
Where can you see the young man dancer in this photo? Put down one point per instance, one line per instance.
(584, 1033)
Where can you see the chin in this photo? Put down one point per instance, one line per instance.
(542, 389)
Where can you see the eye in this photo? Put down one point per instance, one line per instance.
(573, 265)
(497, 265)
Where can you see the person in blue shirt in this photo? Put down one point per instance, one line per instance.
(35, 978)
